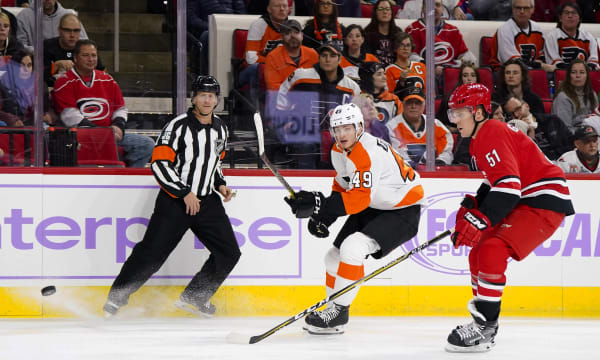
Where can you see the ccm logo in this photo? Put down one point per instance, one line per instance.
(475, 221)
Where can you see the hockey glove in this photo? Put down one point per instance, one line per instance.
(468, 203)
(318, 228)
(306, 203)
(469, 228)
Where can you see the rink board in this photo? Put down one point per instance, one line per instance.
(75, 231)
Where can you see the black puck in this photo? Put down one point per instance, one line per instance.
(48, 290)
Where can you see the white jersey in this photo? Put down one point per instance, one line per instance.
(374, 175)
(569, 162)
(562, 48)
(514, 42)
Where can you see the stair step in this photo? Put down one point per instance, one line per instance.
(147, 84)
(128, 22)
(140, 61)
(133, 42)
(133, 6)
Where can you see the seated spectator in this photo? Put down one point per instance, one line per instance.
(548, 131)
(324, 26)
(380, 32)
(85, 96)
(520, 38)
(264, 35)
(58, 51)
(514, 81)
(497, 112)
(14, 24)
(575, 98)
(584, 158)
(490, 9)
(374, 82)
(354, 54)
(373, 125)
(53, 12)
(407, 132)
(197, 24)
(567, 41)
(468, 74)
(450, 48)
(8, 45)
(19, 84)
(404, 68)
(453, 10)
(304, 101)
(284, 60)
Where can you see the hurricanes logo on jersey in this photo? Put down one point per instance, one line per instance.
(444, 52)
(94, 109)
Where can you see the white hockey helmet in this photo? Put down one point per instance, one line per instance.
(346, 114)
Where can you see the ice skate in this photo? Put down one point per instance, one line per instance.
(110, 309)
(477, 336)
(327, 322)
(205, 310)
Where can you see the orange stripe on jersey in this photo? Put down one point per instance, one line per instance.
(330, 281)
(415, 194)
(168, 193)
(306, 81)
(163, 152)
(345, 89)
(359, 197)
(351, 272)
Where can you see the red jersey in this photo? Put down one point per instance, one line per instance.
(97, 98)
(516, 172)
(449, 43)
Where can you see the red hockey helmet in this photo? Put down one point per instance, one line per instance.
(471, 95)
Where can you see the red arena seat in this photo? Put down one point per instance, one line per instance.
(97, 147)
(539, 83)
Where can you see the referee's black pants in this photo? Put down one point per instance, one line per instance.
(168, 224)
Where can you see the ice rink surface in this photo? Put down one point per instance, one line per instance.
(365, 338)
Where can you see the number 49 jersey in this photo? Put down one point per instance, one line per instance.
(374, 175)
(516, 172)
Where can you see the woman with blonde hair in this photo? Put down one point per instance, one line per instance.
(9, 46)
(373, 125)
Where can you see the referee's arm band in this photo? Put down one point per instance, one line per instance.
(163, 152)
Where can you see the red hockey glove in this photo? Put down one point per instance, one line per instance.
(468, 203)
(468, 228)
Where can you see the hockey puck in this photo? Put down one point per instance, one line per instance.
(48, 290)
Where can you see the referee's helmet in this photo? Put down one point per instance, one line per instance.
(206, 83)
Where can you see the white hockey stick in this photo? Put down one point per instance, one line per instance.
(260, 137)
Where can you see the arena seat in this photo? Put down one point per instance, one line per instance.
(559, 75)
(485, 49)
(17, 145)
(547, 106)
(97, 147)
(539, 83)
(486, 77)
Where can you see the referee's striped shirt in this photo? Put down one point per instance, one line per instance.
(187, 156)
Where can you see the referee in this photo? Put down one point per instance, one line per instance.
(186, 162)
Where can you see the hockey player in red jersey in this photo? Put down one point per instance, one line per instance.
(381, 194)
(522, 201)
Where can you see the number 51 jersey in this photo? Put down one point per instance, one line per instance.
(374, 175)
(516, 172)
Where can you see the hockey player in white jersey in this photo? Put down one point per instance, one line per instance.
(584, 158)
(381, 194)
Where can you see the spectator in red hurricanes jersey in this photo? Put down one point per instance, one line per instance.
(381, 32)
(522, 201)
(324, 26)
(85, 96)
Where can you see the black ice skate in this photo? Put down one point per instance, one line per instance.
(110, 309)
(328, 321)
(477, 336)
(205, 310)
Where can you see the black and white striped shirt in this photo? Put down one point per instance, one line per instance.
(187, 156)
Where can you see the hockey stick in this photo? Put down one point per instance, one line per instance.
(260, 137)
(241, 339)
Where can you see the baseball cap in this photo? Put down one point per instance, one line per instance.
(414, 92)
(329, 46)
(290, 24)
(583, 132)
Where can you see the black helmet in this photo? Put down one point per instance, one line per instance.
(206, 83)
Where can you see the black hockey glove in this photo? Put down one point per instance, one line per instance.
(306, 203)
(318, 228)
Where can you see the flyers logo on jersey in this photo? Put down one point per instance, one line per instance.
(94, 109)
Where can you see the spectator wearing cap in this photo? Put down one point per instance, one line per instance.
(305, 99)
(284, 60)
(373, 81)
(380, 32)
(584, 159)
(567, 41)
(354, 54)
(407, 131)
(324, 26)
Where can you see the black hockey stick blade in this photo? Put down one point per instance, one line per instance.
(303, 313)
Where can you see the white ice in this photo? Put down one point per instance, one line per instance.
(365, 338)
